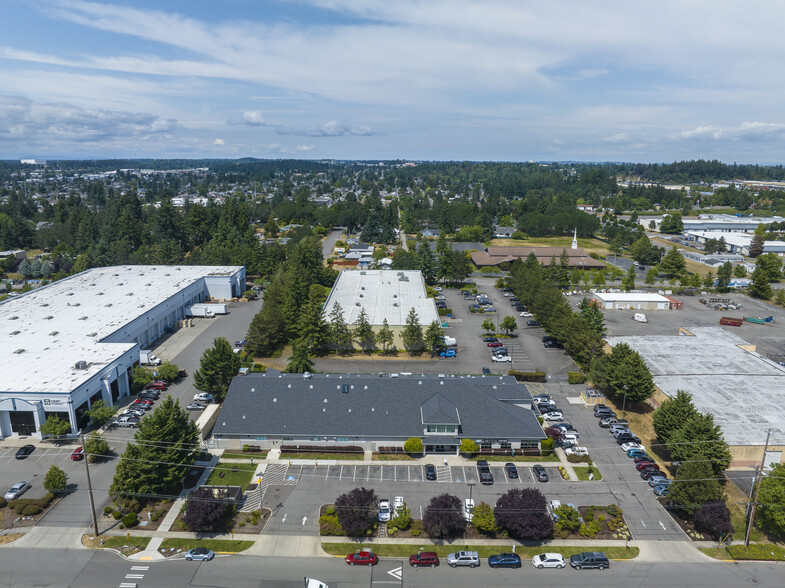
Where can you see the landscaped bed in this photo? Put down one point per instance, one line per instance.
(583, 474)
(759, 552)
(388, 550)
(24, 512)
(231, 474)
(125, 545)
(322, 456)
(173, 546)
(148, 516)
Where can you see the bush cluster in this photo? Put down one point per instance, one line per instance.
(330, 525)
(130, 520)
(20, 504)
(537, 376)
(576, 377)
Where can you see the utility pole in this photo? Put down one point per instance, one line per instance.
(757, 489)
(89, 487)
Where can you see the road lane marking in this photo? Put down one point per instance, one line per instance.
(644, 524)
(141, 568)
(304, 519)
(340, 473)
(661, 525)
(396, 573)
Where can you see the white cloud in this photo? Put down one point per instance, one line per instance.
(333, 128)
(254, 118)
(219, 142)
(746, 131)
(303, 148)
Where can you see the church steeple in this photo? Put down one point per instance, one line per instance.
(575, 239)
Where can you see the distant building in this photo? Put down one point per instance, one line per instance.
(737, 242)
(586, 207)
(495, 256)
(631, 301)
(503, 232)
(33, 161)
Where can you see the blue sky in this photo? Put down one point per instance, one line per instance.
(509, 80)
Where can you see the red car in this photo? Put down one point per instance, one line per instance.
(143, 401)
(642, 465)
(362, 558)
(495, 344)
(77, 454)
(157, 386)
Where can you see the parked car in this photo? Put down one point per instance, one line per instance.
(77, 454)
(626, 438)
(489, 309)
(526, 314)
(195, 406)
(362, 558)
(162, 386)
(397, 503)
(565, 427)
(486, 478)
(468, 509)
(642, 465)
(501, 358)
(424, 558)
(505, 560)
(385, 514)
(628, 446)
(661, 480)
(203, 397)
(24, 451)
(512, 471)
(495, 343)
(553, 416)
(642, 458)
(662, 489)
(541, 473)
(486, 371)
(577, 451)
(199, 554)
(532, 323)
(589, 559)
(633, 453)
(17, 490)
(648, 473)
(463, 558)
(489, 339)
(128, 421)
(542, 396)
(430, 472)
(553, 345)
(549, 560)
(151, 393)
(240, 343)
(608, 421)
(449, 353)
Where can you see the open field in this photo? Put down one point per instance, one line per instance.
(588, 245)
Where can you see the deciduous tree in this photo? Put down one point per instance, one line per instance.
(96, 447)
(55, 426)
(100, 414)
(713, 518)
(523, 514)
(55, 480)
(770, 513)
(356, 511)
(204, 512)
(488, 326)
(509, 324)
(483, 519)
(443, 517)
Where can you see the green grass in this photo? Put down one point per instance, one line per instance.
(583, 474)
(517, 458)
(242, 477)
(322, 456)
(392, 457)
(241, 455)
(388, 550)
(216, 545)
(118, 541)
(761, 551)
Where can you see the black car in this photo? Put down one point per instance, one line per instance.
(649, 472)
(541, 473)
(486, 371)
(500, 350)
(622, 439)
(512, 471)
(589, 559)
(486, 478)
(483, 466)
(24, 451)
(542, 395)
(505, 560)
(642, 457)
(430, 472)
(532, 324)
(490, 339)
(547, 338)
(553, 345)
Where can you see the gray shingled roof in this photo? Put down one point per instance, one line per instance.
(373, 406)
(437, 410)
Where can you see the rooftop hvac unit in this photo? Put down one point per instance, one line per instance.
(395, 304)
(81, 365)
(345, 388)
(18, 351)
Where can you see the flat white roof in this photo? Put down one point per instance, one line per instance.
(384, 294)
(630, 297)
(713, 367)
(45, 332)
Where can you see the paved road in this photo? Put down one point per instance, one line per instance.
(329, 242)
(55, 568)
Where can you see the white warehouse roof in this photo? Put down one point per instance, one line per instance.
(384, 294)
(45, 332)
(630, 297)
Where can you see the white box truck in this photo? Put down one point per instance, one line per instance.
(206, 310)
(640, 317)
(449, 341)
(146, 357)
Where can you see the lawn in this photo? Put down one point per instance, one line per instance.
(258, 456)
(241, 477)
(588, 245)
(216, 545)
(388, 550)
(392, 457)
(583, 474)
(761, 552)
(115, 542)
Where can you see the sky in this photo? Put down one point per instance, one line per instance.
(515, 80)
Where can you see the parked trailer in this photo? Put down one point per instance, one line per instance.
(206, 310)
(759, 320)
(731, 321)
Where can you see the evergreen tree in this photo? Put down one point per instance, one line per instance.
(269, 330)
(363, 332)
(444, 270)
(760, 287)
(673, 263)
(425, 262)
(739, 271)
(299, 362)
(312, 326)
(385, 336)
(412, 332)
(434, 338)
(339, 333)
(651, 276)
(756, 245)
(271, 227)
(163, 452)
(628, 375)
(672, 414)
(708, 280)
(723, 277)
(694, 484)
(218, 365)
(700, 438)
(628, 283)
(460, 266)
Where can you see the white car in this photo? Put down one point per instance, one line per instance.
(548, 560)
(384, 510)
(553, 416)
(528, 314)
(577, 451)
(203, 397)
(397, 503)
(501, 358)
(438, 288)
(627, 446)
(17, 490)
(468, 509)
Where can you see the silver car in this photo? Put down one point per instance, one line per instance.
(17, 490)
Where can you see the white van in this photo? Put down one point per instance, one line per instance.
(468, 509)
(640, 317)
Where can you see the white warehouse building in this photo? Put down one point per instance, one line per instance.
(73, 342)
(632, 301)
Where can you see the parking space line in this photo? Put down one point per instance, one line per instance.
(340, 473)
(381, 474)
(7, 452)
(531, 473)
(368, 473)
(327, 473)
(354, 473)
(395, 474)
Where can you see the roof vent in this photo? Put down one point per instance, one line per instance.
(53, 333)
(130, 294)
(253, 389)
(108, 305)
(325, 401)
(419, 382)
(92, 284)
(77, 304)
(16, 332)
(365, 387)
(352, 386)
(395, 304)
(307, 376)
(18, 351)
(345, 388)
(70, 294)
(100, 293)
(48, 318)
(13, 318)
(289, 386)
(373, 409)
(91, 334)
(80, 365)
(82, 318)
(350, 410)
(441, 383)
(275, 400)
(324, 410)
(311, 387)
(357, 304)
(45, 304)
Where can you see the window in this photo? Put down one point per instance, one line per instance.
(440, 428)
(529, 444)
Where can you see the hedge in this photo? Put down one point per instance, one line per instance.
(3, 502)
(576, 378)
(19, 504)
(392, 450)
(444, 311)
(321, 449)
(31, 509)
(528, 376)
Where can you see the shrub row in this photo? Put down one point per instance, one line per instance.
(31, 504)
(528, 376)
(576, 377)
(254, 449)
(321, 449)
(392, 450)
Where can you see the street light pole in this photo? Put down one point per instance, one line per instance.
(89, 487)
(471, 487)
(624, 404)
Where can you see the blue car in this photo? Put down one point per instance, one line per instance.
(199, 554)
(662, 490)
(634, 452)
(505, 560)
(449, 353)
